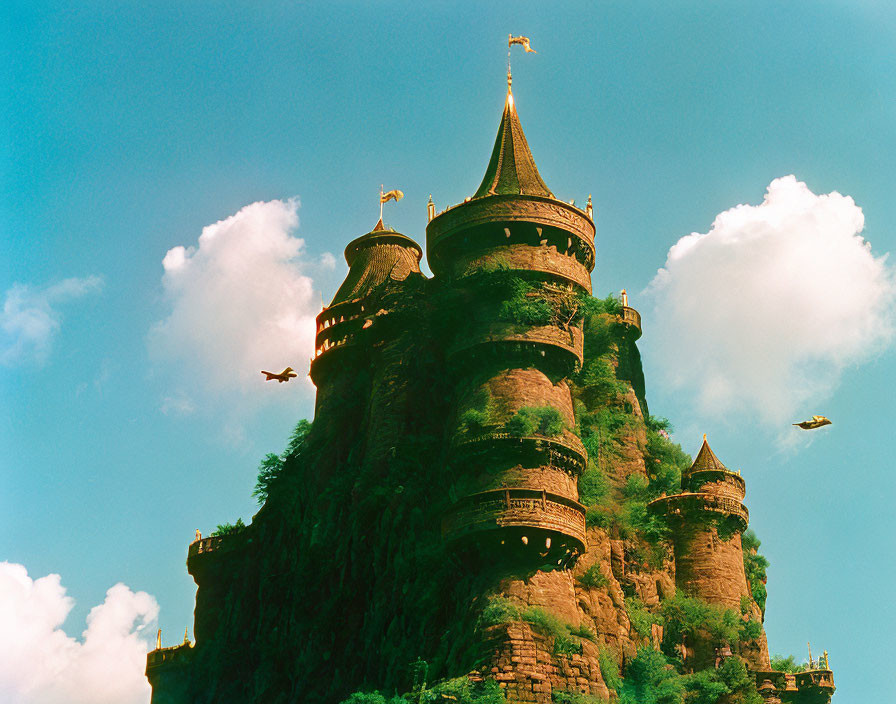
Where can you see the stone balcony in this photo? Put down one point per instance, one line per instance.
(204, 553)
(513, 517)
(498, 338)
(686, 505)
(809, 687)
(630, 318)
(564, 451)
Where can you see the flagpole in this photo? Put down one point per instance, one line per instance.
(381, 201)
(509, 37)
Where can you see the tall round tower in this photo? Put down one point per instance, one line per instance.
(518, 259)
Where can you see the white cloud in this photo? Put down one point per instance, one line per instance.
(30, 319)
(761, 314)
(241, 301)
(40, 664)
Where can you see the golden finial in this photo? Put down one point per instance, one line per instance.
(827, 664)
(159, 640)
(624, 298)
(811, 662)
(186, 637)
(704, 437)
(589, 208)
(430, 209)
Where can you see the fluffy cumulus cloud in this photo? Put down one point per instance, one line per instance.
(241, 300)
(40, 664)
(31, 318)
(761, 314)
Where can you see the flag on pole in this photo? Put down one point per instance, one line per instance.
(522, 41)
(394, 194)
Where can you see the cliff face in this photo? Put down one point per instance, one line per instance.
(482, 495)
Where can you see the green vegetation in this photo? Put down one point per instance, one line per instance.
(650, 679)
(372, 698)
(271, 466)
(685, 615)
(593, 577)
(498, 610)
(609, 668)
(229, 528)
(640, 618)
(575, 698)
(583, 632)
(731, 681)
(545, 622)
(755, 566)
(780, 663)
(463, 691)
(478, 417)
(460, 689)
(529, 420)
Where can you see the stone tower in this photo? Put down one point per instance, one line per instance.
(516, 490)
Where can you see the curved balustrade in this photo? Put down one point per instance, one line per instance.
(694, 503)
(569, 341)
(544, 259)
(815, 679)
(693, 481)
(815, 686)
(630, 317)
(502, 509)
(564, 451)
(546, 217)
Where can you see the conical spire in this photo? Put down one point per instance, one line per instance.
(512, 170)
(706, 459)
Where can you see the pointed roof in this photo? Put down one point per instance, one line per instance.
(706, 460)
(511, 170)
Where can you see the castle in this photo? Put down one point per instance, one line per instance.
(483, 506)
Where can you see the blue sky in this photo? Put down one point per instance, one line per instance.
(127, 128)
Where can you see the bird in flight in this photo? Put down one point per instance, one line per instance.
(816, 422)
(285, 375)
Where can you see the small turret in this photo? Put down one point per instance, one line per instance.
(376, 260)
(708, 519)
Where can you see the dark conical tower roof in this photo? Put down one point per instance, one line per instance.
(706, 460)
(512, 170)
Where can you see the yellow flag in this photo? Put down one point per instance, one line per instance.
(395, 195)
(522, 41)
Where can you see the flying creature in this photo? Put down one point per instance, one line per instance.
(816, 422)
(285, 375)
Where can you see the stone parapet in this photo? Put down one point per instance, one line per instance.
(691, 504)
(563, 451)
(203, 554)
(165, 658)
(721, 482)
(543, 259)
(809, 687)
(540, 340)
(533, 220)
(557, 517)
(630, 318)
